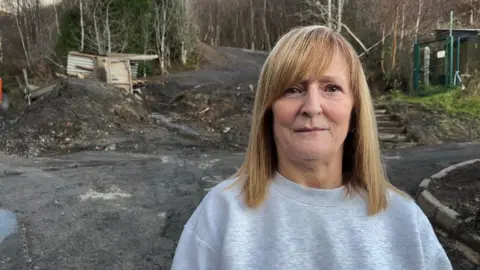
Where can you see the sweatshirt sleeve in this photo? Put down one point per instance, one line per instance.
(193, 253)
(440, 261)
(434, 254)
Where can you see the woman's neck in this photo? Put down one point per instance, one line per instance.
(313, 174)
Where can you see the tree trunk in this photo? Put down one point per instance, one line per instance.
(244, 33)
(22, 38)
(98, 37)
(163, 50)
(339, 16)
(394, 45)
(57, 24)
(472, 21)
(252, 26)
(235, 30)
(419, 14)
(107, 28)
(402, 30)
(268, 46)
(329, 10)
(82, 28)
(28, 43)
(382, 62)
(218, 27)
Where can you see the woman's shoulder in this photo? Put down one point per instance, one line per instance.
(409, 216)
(210, 218)
(402, 205)
(217, 203)
(226, 191)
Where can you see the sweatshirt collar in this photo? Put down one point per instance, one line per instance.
(307, 195)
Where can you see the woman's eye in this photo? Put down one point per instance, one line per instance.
(293, 91)
(333, 88)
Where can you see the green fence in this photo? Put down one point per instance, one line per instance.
(443, 61)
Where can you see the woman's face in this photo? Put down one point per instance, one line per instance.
(311, 120)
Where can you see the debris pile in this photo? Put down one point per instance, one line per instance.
(76, 113)
(221, 111)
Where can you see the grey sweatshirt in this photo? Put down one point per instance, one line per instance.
(305, 228)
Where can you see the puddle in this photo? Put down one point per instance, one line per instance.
(8, 224)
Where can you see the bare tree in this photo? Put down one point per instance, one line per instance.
(82, 27)
(161, 9)
(252, 25)
(339, 15)
(268, 46)
(329, 12)
(315, 12)
(419, 16)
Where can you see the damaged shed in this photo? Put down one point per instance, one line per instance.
(116, 69)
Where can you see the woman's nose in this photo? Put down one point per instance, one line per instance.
(312, 103)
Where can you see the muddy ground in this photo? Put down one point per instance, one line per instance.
(204, 108)
(460, 190)
(432, 127)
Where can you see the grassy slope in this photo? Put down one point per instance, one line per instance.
(454, 102)
(438, 115)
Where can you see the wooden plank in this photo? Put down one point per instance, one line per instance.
(44, 89)
(133, 57)
(85, 68)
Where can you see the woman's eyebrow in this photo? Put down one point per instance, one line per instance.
(333, 79)
(323, 79)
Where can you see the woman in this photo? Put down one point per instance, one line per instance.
(312, 192)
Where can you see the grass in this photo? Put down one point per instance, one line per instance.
(454, 101)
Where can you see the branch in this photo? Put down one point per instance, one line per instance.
(354, 37)
(374, 45)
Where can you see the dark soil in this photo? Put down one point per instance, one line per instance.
(431, 127)
(202, 108)
(77, 112)
(221, 112)
(460, 190)
(457, 258)
(215, 101)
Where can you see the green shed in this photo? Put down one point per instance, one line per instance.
(466, 51)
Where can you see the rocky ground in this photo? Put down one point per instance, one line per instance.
(460, 191)
(156, 153)
(79, 114)
(433, 126)
(208, 106)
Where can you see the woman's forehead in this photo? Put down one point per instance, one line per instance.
(336, 70)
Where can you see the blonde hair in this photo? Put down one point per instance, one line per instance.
(298, 52)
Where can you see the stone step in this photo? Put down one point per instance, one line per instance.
(405, 144)
(388, 123)
(383, 117)
(388, 137)
(391, 129)
(380, 111)
(398, 145)
(378, 106)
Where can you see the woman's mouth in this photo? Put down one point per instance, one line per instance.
(308, 130)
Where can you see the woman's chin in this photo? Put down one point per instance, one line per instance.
(315, 153)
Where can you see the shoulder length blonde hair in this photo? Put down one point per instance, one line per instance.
(298, 52)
